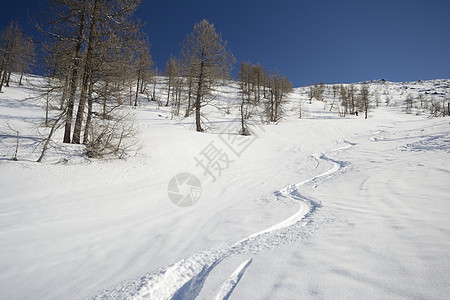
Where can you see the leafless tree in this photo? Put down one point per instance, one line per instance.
(279, 87)
(409, 103)
(171, 75)
(144, 66)
(209, 58)
(335, 96)
(344, 100)
(16, 53)
(365, 97)
(352, 98)
(244, 77)
(95, 49)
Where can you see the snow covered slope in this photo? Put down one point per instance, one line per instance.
(320, 207)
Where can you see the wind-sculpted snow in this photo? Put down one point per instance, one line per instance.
(185, 279)
(434, 143)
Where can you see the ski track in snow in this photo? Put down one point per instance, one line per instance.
(229, 285)
(185, 279)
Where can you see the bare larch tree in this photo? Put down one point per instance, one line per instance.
(210, 59)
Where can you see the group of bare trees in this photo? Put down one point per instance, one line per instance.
(254, 81)
(346, 99)
(351, 98)
(261, 89)
(279, 87)
(250, 88)
(97, 61)
(16, 53)
(316, 91)
(205, 60)
(435, 105)
(432, 101)
(354, 99)
(95, 52)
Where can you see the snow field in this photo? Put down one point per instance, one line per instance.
(322, 207)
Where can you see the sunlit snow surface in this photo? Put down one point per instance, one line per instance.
(319, 207)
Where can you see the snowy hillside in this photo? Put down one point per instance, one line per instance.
(323, 206)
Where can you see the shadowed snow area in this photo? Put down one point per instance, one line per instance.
(321, 207)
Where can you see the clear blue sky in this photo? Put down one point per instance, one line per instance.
(309, 41)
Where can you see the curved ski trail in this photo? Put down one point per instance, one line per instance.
(185, 279)
(229, 285)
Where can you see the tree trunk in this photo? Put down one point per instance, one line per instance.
(300, 108)
(49, 137)
(2, 80)
(332, 104)
(154, 92)
(74, 78)
(243, 129)
(179, 97)
(271, 107)
(353, 103)
(275, 115)
(8, 78)
(168, 93)
(198, 100)
(87, 127)
(21, 76)
(64, 94)
(137, 88)
(104, 100)
(143, 86)
(47, 108)
(130, 85)
(188, 109)
(86, 78)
